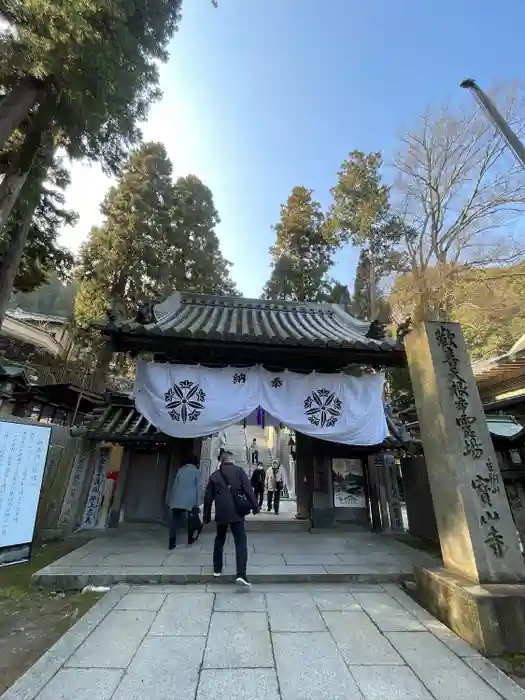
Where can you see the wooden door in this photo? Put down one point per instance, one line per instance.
(145, 490)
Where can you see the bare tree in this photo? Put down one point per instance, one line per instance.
(462, 196)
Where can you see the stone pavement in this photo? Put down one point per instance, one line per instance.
(141, 556)
(274, 642)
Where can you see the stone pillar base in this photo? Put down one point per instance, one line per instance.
(490, 617)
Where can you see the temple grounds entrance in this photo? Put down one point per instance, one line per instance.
(138, 554)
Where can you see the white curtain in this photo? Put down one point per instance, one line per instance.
(188, 401)
(332, 407)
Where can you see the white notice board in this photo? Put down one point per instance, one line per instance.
(23, 453)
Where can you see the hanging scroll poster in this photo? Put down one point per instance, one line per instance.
(96, 491)
(348, 482)
(23, 453)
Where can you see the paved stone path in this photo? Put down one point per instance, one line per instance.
(274, 642)
(142, 556)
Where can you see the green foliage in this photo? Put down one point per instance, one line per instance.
(55, 298)
(338, 293)
(362, 215)
(362, 212)
(489, 304)
(362, 302)
(97, 59)
(156, 238)
(303, 250)
(42, 194)
(193, 242)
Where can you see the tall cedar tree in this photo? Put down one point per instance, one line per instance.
(91, 63)
(195, 243)
(362, 215)
(361, 301)
(41, 211)
(156, 237)
(303, 250)
(79, 72)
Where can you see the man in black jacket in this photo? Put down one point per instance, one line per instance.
(257, 481)
(227, 479)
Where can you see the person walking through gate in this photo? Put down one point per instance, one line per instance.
(257, 481)
(229, 488)
(254, 452)
(184, 499)
(274, 484)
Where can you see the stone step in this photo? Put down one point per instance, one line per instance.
(260, 525)
(267, 522)
(70, 580)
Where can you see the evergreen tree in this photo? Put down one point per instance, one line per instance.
(303, 250)
(338, 293)
(156, 237)
(91, 65)
(28, 243)
(119, 263)
(361, 211)
(195, 242)
(79, 74)
(361, 302)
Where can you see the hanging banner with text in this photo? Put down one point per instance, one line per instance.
(97, 491)
(187, 401)
(23, 453)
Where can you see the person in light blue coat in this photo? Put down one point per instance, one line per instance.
(184, 499)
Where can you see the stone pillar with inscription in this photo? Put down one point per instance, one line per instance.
(477, 534)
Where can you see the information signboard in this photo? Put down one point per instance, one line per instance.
(23, 453)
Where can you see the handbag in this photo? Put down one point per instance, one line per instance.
(240, 501)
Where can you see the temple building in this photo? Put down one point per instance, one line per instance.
(217, 333)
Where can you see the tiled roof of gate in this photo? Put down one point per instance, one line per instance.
(202, 316)
(118, 422)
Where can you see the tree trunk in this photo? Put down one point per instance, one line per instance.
(102, 367)
(11, 260)
(17, 173)
(372, 281)
(15, 107)
(9, 191)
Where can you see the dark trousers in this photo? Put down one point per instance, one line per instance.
(241, 546)
(274, 497)
(259, 494)
(255, 456)
(179, 520)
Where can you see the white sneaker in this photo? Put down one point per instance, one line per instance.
(242, 581)
(216, 575)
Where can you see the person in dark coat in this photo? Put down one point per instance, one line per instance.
(226, 515)
(257, 481)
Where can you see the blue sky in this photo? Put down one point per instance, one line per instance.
(263, 95)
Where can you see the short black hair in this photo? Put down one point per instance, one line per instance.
(192, 459)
